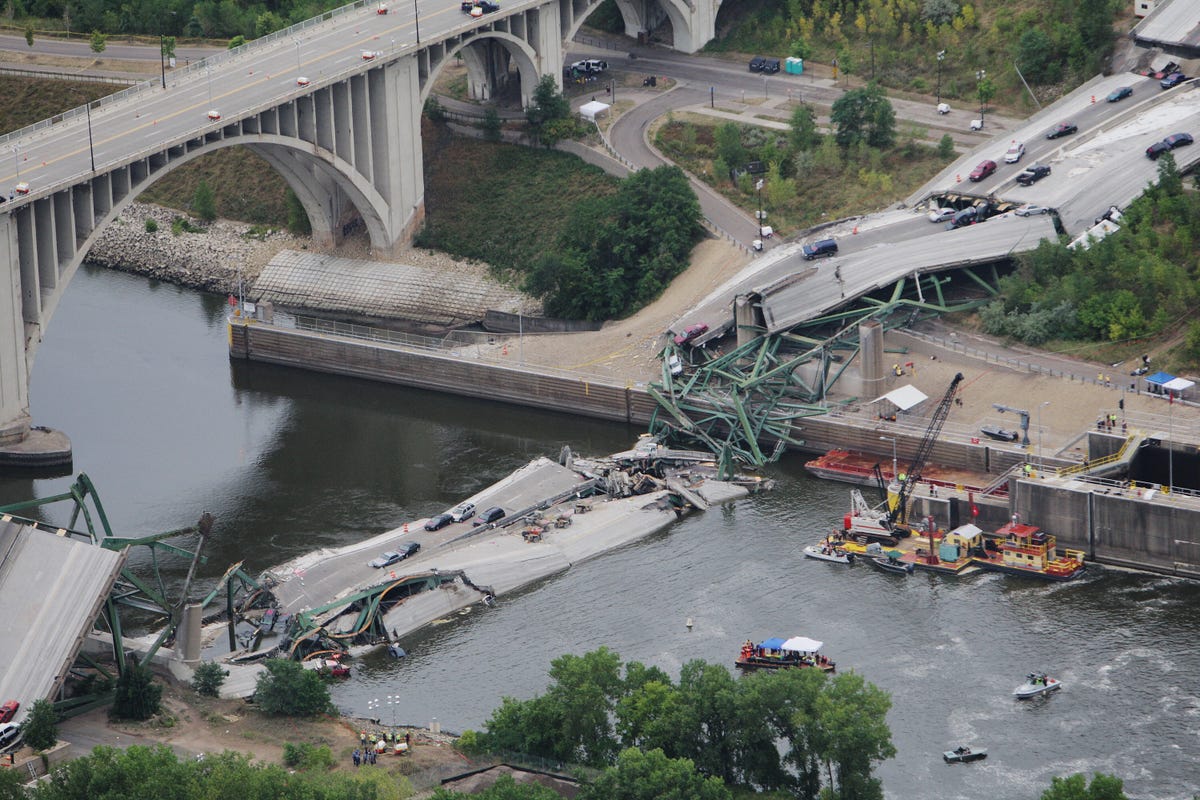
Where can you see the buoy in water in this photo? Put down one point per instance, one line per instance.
(689, 623)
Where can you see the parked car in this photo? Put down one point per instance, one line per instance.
(1172, 80)
(941, 215)
(1032, 174)
(819, 249)
(394, 556)
(369, 55)
(968, 216)
(589, 66)
(1178, 140)
(1157, 149)
(691, 332)
(462, 512)
(1030, 209)
(770, 66)
(381, 9)
(213, 115)
(1062, 129)
(1119, 93)
(489, 516)
(756, 64)
(8, 710)
(9, 733)
(302, 81)
(1015, 151)
(21, 188)
(438, 522)
(984, 169)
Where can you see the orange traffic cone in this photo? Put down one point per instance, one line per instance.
(406, 527)
(855, 231)
(1093, 99)
(505, 351)
(958, 178)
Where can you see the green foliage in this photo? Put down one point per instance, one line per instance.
(1036, 56)
(99, 41)
(803, 134)
(640, 775)
(618, 253)
(727, 144)
(864, 115)
(548, 106)
(151, 225)
(795, 732)
(288, 689)
(237, 41)
(208, 677)
(491, 125)
(137, 696)
(939, 12)
(180, 225)
(306, 757)
(168, 47)
(40, 728)
(434, 110)
(1076, 787)
(29, 34)
(505, 788)
(297, 218)
(203, 203)
(800, 49)
(1191, 342)
(946, 147)
(1169, 180)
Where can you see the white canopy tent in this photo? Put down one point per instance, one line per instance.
(591, 110)
(1178, 386)
(802, 644)
(904, 398)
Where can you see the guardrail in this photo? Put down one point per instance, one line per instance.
(11, 72)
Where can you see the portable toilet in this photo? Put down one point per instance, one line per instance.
(794, 66)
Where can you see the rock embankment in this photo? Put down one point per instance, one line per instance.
(212, 260)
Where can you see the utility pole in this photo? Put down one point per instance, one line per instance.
(941, 54)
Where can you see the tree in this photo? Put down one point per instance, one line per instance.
(40, 728)
(800, 48)
(1076, 787)
(987, 90)
(727, 142)
(1036, 56)
(236, 41)
(640, 775)
(505, 788)
(803, 135)
(1170, 182)
(99, 42)
(548, 104)
(946, 147)
(29, 34)
(203, 202)
(491, 125)
(864, 115)
(288, 689)
(137, 696)
(168, 47)
(851, 716)
(208, 677)
(939, 12)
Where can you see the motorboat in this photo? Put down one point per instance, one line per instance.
(1036, 684)
(964, 755)
(888, 560)
(779, 653)
(828, 551)
(999, 434)
(1029, 550)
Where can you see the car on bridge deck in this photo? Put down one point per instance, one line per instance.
(1030, 210)
(1119, 93)
(9, 710)
(1062, 129)
(214, 115)
(9, 733)
(1172, 80)
(436, 523)
(302, 81)
(1032, 174)
(941, 215)
(984, 169)
(1015, 151)
(381, 8)
(462, 512)
(819, 248)
(369, 55)
(489, 516)
(394, 556)
(691, 332)
(21, 188)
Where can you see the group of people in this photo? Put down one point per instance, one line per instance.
(374, 745)
(364, 757)
(1109, 422)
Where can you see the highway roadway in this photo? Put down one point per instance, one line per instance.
(145, 118)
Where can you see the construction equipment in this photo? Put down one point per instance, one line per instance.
(1024, 420)
(913, 476)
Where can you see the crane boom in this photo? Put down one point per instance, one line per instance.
(923, 450)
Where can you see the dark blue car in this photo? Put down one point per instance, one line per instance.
(1120, 93)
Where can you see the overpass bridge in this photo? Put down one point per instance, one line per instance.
(333, 104)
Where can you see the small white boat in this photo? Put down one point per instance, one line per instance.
(1036, 684)
(963, 755)
(828, 552)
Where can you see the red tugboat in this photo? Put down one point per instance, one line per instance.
(1028, 550)
(777, 653)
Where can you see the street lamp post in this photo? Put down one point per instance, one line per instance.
(299, 68)
(891, 439)
(162, 58)
(979, 76)
(91, 147)
(1041, 463)
(17, 160)
(417, 21)
(941, 54)
(208, 72)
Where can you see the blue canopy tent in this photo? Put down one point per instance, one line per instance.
(1154, 383)
(775, 643)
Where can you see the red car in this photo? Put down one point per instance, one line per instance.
(984, 169)
(8, 710)
(691, 332)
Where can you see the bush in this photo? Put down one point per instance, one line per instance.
(203, 202)
(151, 226)
(306, 757)
(491, 125)
(137, 695)
(40, 728)
(208, 678)
(288, 689)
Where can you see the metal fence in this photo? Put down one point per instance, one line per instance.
(10, 72)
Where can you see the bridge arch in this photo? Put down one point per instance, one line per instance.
(488, 66)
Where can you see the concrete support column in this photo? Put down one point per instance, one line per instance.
(188, 635)
(479, 84)
(870, 342)
(747, 320)
(14, 373)
(544, 35)
(395, 94)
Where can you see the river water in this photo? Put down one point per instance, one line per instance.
(167, 427)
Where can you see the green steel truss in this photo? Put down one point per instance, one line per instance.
(743, 405)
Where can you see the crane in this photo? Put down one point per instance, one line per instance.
(1024, 420)
(922, 455)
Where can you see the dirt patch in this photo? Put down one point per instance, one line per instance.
(191, 724)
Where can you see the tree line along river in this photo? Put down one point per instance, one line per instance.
(136, 373)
